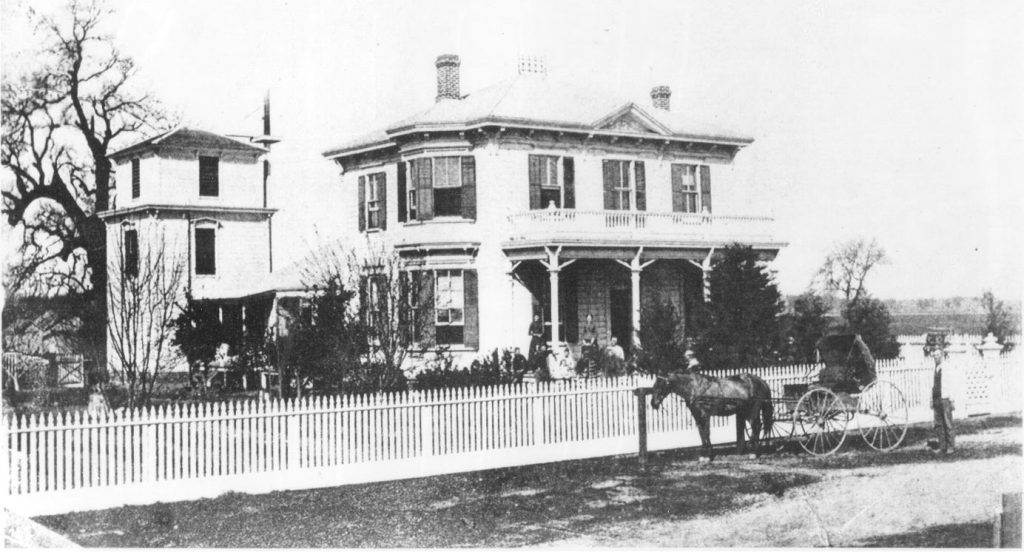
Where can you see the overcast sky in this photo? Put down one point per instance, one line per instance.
(902, 121)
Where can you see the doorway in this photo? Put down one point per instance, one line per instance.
(620, 313)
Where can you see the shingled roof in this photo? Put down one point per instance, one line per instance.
(188, 138)
(529, 100)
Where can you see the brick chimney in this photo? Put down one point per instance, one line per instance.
(660, 96)
(447, 77)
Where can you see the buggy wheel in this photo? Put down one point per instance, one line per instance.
(882, 416)
(820, 420)
(781, 432)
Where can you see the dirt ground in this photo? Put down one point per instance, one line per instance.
(859, 497)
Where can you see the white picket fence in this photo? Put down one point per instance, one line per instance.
(77, 462)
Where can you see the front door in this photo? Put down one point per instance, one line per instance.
(620, 313)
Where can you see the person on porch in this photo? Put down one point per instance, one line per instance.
(614, 358)
(692, 363)
(536, 337)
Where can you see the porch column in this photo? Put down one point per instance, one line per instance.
(635, 268)
(554, 268)
(705, 269)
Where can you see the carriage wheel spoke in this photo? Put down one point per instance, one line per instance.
(883, 416)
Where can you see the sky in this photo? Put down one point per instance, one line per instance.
(900, 121)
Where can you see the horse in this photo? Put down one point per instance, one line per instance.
(745, 396)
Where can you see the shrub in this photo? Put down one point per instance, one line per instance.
(661, 345)
(870, 318)
(495, 368)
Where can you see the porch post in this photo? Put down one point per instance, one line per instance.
(635, 268)
(554, 268)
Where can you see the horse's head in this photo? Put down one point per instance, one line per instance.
(662, 387)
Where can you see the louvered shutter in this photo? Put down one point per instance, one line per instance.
(403, 195)
(641, 185)
(468, 188)
(424, 189)
(361, 184)
(677, 188)
(471, 306)
(569, 182)
(425, 315)
(705, 187)
(136, 179)
(382, 196)
(364, 299)
(535, 167)
(609, 168)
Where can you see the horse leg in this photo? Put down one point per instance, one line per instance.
(704, 428)
(741, 425)
(755, 428)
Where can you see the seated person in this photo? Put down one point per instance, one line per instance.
(562, 365)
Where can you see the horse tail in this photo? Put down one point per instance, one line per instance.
(767, 417)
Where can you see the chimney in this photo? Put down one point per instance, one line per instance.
(532, 65)
(660, 96)
(447, 77)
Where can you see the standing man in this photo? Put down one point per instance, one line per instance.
(536, 337)
(942, 407)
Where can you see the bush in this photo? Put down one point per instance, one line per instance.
(808, 323)
(661, 345)
(496, 368)
(870, 318)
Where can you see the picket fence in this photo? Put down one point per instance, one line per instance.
(74, 461)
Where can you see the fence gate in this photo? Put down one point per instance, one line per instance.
(70, 370)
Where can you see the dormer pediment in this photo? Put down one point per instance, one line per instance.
(630, 118)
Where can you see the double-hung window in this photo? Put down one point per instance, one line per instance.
(449, 307)
(447, 187)
(685, 189)
(131, 253)
(206, 251)
(550, 186)
(551, 182)
(374, 192)
(624, 185)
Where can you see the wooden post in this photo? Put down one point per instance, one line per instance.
(641, 411)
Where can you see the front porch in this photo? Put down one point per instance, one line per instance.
(612, 285)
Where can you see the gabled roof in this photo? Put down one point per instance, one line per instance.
(530, 100)
(188, 138)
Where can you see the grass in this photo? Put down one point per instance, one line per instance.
(506, 507)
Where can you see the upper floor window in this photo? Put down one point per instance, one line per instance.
(551, 182)
(206, 250)
(624, 185)
(691, 188)
(372, 201)
(209, 176)
(130, 267)
(441, 187)
(136, 179)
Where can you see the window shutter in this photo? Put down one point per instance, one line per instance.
(424, 190)
(535, 182)
(402, 193)
(425, 320)
(705, 187)
(471, 305)
(364, 298)
(404, 321)
(131, 253)
(569, 182)
(468, 187)
(136, 179)
(641, 185)
(362, 203)
(206, 251)
(609, 168)
(677, 188)
(382, 195)
(209, 181)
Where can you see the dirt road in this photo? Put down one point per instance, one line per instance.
(909, 497)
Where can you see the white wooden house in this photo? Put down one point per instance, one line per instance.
(534, 196)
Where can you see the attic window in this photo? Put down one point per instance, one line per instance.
(209, 181)
(136, 179)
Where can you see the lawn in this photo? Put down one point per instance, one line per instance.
(788, 499)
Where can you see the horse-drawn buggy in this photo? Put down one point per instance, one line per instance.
(817, 414)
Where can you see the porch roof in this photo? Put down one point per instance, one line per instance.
(522, 251)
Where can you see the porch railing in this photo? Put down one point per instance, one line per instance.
(633, 225)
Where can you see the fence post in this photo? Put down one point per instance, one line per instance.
(292, 425)
(641, 420)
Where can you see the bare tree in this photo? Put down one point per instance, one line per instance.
(143, 290)
(60, 119)
(846, 268)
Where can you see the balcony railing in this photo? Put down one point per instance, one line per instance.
(616, 226)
